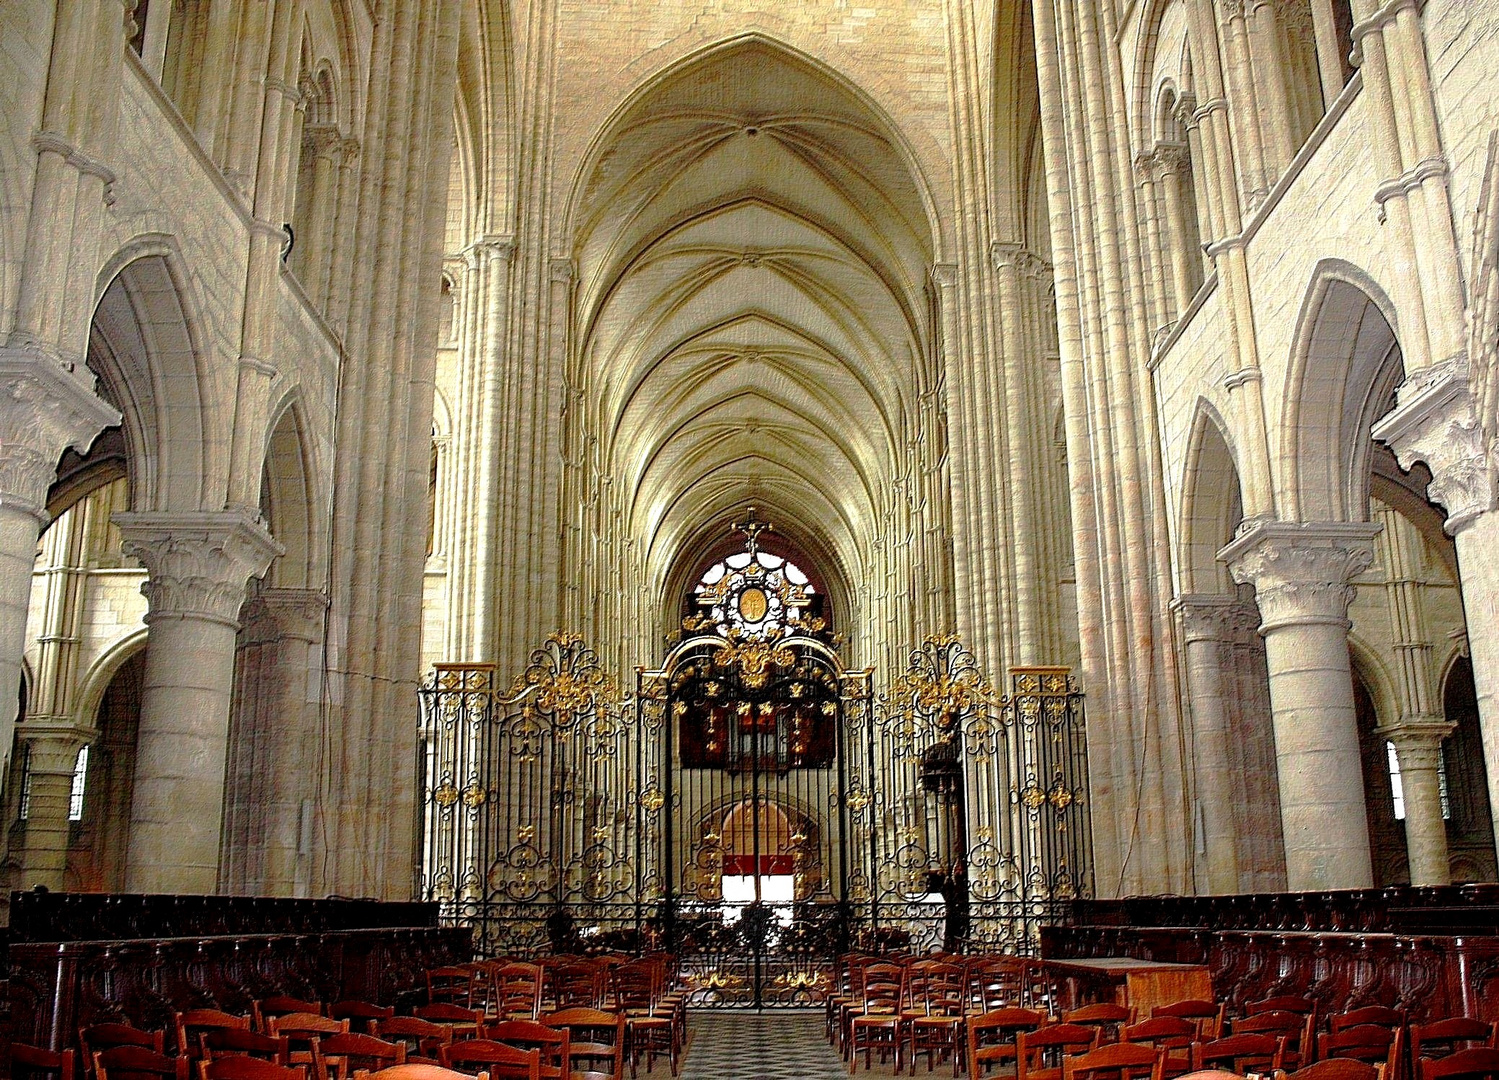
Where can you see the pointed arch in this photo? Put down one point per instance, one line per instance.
(1345, 366)
(146, 346)
(1212, 503)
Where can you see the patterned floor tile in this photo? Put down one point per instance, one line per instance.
(763, 1046)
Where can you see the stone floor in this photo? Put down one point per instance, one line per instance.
(766, 1046)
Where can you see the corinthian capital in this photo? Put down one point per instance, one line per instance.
(1302, 573)
(198, 564)
(1434, 422)
(45, 408)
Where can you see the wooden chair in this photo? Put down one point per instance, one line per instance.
(239, 1067)
(1059, 1041)
(499, 1059)
(1171, 1035)
(554, 1043)
(423, 1039)
(636, 989)
(594, 1037)
(261, 1012)
(1335, 1069)
(1107, 1017)
(1242, 1054)
(237, 1042)
(1444, 1036)
(997, 983)
(1207, 1015)
(302, 1030)
(1294, 1031)
(992, 1037)
(1480, 1061)
(518, 989)
(26, 1059)
(360, 1012)
(350, 1051)
(1122, 1060)
(138, 1062)
(106, 1036)
(934, 1013)
(193, 1023)
(878, 1024)
(578, 985)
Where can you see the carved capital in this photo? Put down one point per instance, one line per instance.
(198, 563)
(299, 613)
(1207, 616)
(1302, 573)
(1172, 158)
(1418, 740)
(324, 140)
(52, 744)
(1434, 422)
(45, 407)
(1005, 253)
(1231, 9)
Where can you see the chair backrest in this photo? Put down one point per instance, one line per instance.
(239, 1067)
(579, 984)
(126, 1061)
(363, 1011)
(1381, 1015)
(1480, 1061)
(242, 1042)
(519, 989)
(192, 1022)
(453, 983)
(103, 1036)
(883, 986)
(33, 1059)
(1336, 1069)
(422, 1072)
(280, 1005)
(554, 1043)
(1067, 1039)
(1243, 1053)
(1207, 1015)
(593, 1035)
(501, 1059)
(936, 989)
(358, 1052)
(997, 982)
(302, 1023)
(1107, 1017)
(444, 1012)
(1123, 1060)
(1364, 1042)
(1294, 1003)
(420, 1036)
(1160, 1031)
(1011, 1019)
(1445, 1035)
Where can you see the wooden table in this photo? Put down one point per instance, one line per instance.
(1126, 981)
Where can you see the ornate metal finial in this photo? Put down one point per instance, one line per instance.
(751, 527)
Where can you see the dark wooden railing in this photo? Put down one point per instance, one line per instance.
(1431, 952)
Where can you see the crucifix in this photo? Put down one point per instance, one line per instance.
(751, 527)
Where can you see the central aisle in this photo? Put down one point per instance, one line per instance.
(761, 1046)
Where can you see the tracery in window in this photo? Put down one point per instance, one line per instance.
(757, 596)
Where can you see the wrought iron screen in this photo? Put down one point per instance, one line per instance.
(752, 808)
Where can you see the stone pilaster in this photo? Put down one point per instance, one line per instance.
(46, 406)
(197, 565)
(1303, 577)
(1207, 625)
(51, 759)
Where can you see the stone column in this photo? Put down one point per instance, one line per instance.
(45, 407)
(1418, 748)
(1207, 634)
(197, 564)
(1303, 577)
(52, 757)
(1433, 422)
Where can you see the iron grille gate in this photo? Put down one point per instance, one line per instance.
(752, 808)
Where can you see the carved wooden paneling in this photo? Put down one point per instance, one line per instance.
(57, 987)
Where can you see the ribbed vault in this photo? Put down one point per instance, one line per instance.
(752, 250)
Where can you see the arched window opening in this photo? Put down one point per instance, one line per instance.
(80, 779)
